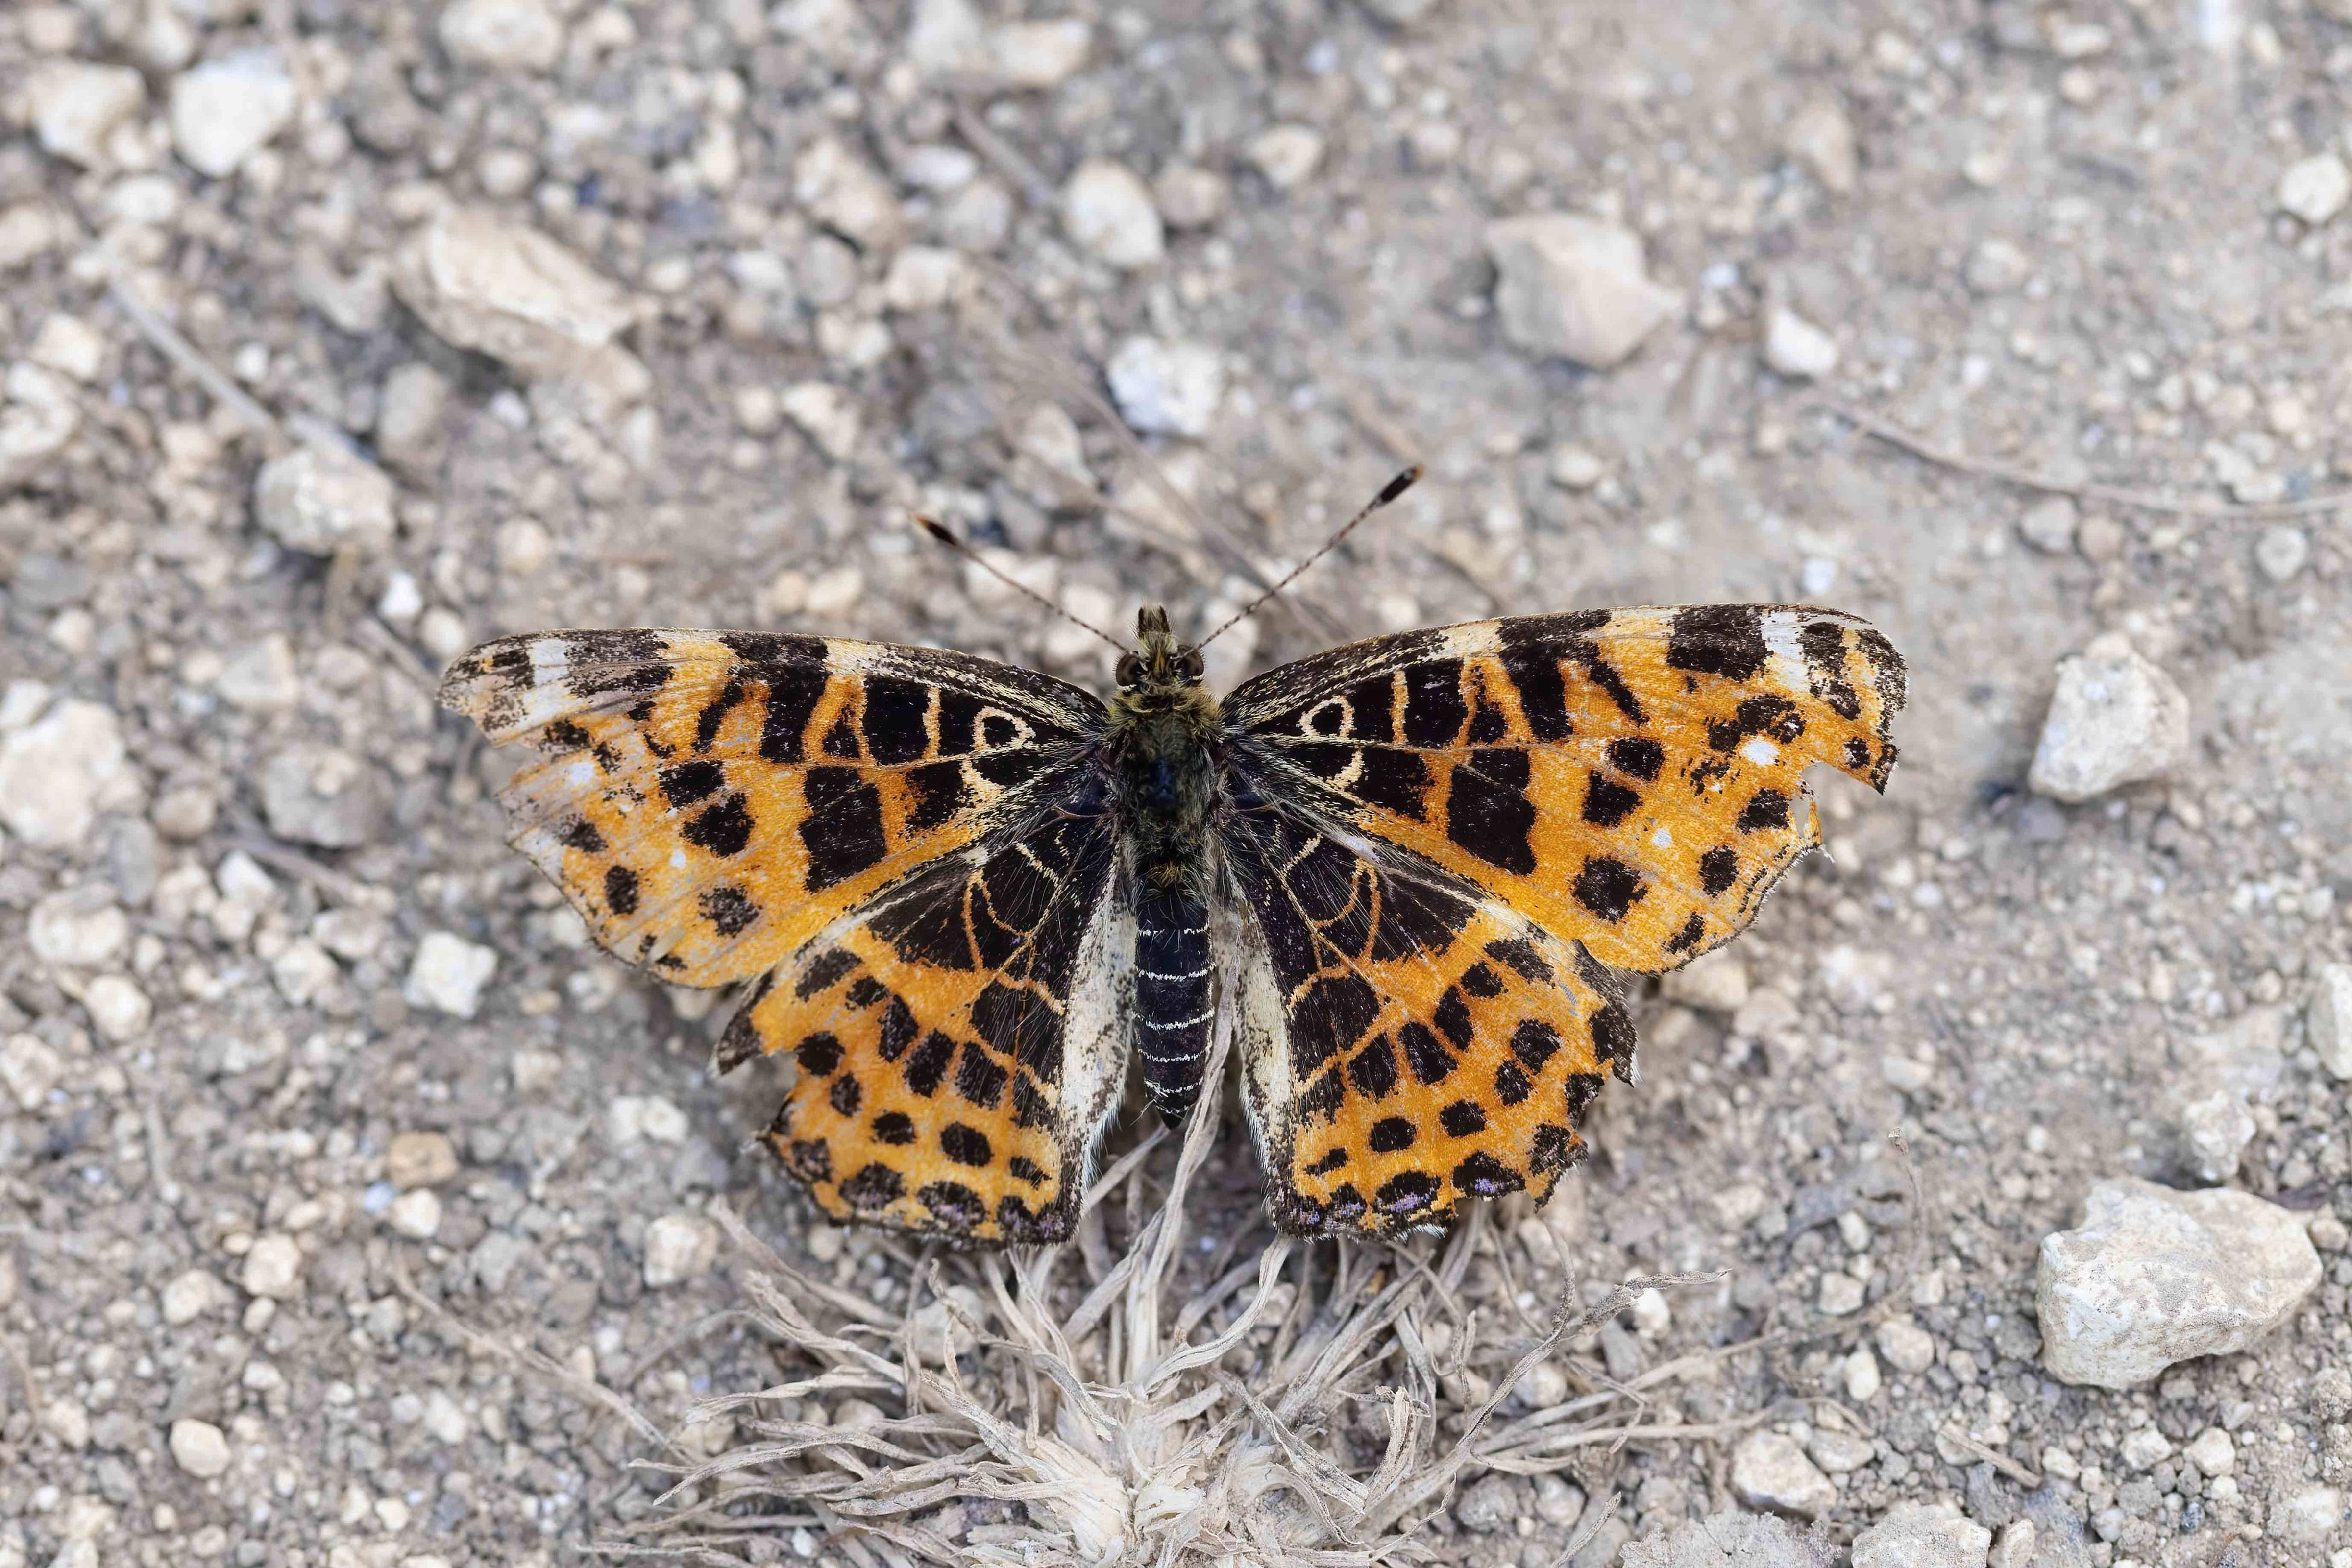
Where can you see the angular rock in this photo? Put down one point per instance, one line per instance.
(75, 106)
(29, 1070)
(37, 426)
(273, 1268)
(225, 110)
(1164, 387)
(118, 1008)
(2311, 1513)
(1795, 348)
(1769, 1471)
(56, 773)
(317, 499)
(1109, 211)
(2327, 1020)
(2114, 720)
(1821, 138)
(78, 927)
(322, 795)
(1575, 288)
(409, 415)
(487, 283)
(200, 1448)
(2049, 526)
(1493, 1502)
(1287, 154)
(2218, 1128)
(678, 1247)
(503, 35)
(1729, 1540)
(1923, 1535)
(2315, 189)
(1030, 57)
(420, 1159)
(448, 973)
(842, 192)
(2152, 1276)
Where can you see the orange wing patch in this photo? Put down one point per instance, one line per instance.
(1407, 1042)
(960, 1043)
(709, 800)
(1630, 779)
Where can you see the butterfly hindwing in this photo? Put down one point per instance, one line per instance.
(709, 800)
(1407, 1041)
(960, 1041)
(1629, 779)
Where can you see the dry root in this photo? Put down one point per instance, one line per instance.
(1313, 1405)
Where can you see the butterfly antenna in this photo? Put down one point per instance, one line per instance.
(1389, 492)
(938, 531)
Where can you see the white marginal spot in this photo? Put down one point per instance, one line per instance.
(678, 860)
(1781, 632)
(1663, 839)
(1759, 751)
(1469, 642)
(548, 660)
(580, 776)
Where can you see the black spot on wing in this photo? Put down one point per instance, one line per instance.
(1692, 932)
(978, 1080)
(723, 828)
(729, 908)
(714, 713)
(1522, 958)
(1405, 1195)
(841, 738)
(1332, 1160)
(1716, 868)
(894, 1127)
(1613, 1037)
(580, 834)
(1483, 1176)
(1330, 1017)
(684, 783)
(1606, 801)
(966, 1146)
(845, 1096)
(952, 1203)
(794, 692)
(819, 1054)
(1373, 1071)
(1434, 711)
(939, 793)
(1391, 1135)
(872, 1188)
(1608, 887)
(929, 1063)
(620, 890)
(1462, 1119)
(811, 1159)
(1490, 816)
(1724, 640)
(1416, 917)
(1533, 1043)
(1765, 808)
(1429, 1059)
(843, 833)
(894, 719)
(1637, 756)
(1395, 781)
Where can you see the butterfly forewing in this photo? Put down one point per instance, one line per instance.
(1631, 780)
(709, 800)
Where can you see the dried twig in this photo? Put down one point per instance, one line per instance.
(2111, 494)
(167, 340)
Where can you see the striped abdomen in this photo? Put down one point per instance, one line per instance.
(1172, 997)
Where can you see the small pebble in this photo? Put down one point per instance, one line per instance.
(200, 1448)
(273, 1268)
(448, 974)
(226, 110)
(1861, 1375)
(678, 1247)
(1821, 138)
(1575, 288)
(1769, 1470)
(2282, 551)
(1906, 1346)
(2315, 189)
(420, 1159)
(1795, 348)
(1923, 1535)
(190, 1294)
(1167, 388)
(2049, 526)
(415, 1214)
(1287, 154)
(2214, 1452)
(1575, 468)
(1997, 266)
(1190, 197)
(2114, 720)
(503, 35)
(1109, 213)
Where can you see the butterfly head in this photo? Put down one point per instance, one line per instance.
(1160, 663)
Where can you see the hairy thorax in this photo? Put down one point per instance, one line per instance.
(1162, 743)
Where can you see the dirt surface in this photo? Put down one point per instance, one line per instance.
(2060, 248)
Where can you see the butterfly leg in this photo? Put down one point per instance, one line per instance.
(1174, 1003)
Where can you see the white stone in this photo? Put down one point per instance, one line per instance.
(225, 110)
(1575, 288)
(826, 414)
(260, 677)
(923, 278)
(491, 284)
(2282, 551)
(1109, 213)
(2315, 189)
(1821, 138)
(2013, 1547)
(68, 1420)
(415, 1214)
(200, 1448)
(75, 106)
(190, 1295)
(1863, 1380)
(1842, 1294)
(56, 773)
(118, 1008)
(419, 1159)
(503, 35)
(27, 230)
(841, 190)
(1190, 197)
(1029, 56)
(29, 1069)
(2327, 1020)
(2311, 1514)
(273, 1268)
(2114, 720)
(2218, 1128)
(1997, 266)
(2152, 1276)
(2048, 524)
(1287, 155)
(1167, 388)
(319, 499)
(448, 974)
(678, 1247)
(78, 927)
(33, 434)
(1769, 1471)
(1923, 1535)
(946, 38)
(2214, 1452)
(1906, 1346)
(1795, 348)
(2143, 1449)
(69, 346)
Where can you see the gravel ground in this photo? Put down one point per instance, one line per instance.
(341, 336)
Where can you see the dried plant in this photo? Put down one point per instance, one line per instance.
(1014, 1419)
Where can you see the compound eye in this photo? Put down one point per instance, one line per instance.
(1129, 670)
(1189, 663)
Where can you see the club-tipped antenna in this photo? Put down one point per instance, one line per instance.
(938, 531)
(1389, 492)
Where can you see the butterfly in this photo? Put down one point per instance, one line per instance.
(963, 894)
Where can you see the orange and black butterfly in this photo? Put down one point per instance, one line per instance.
(964, 894)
